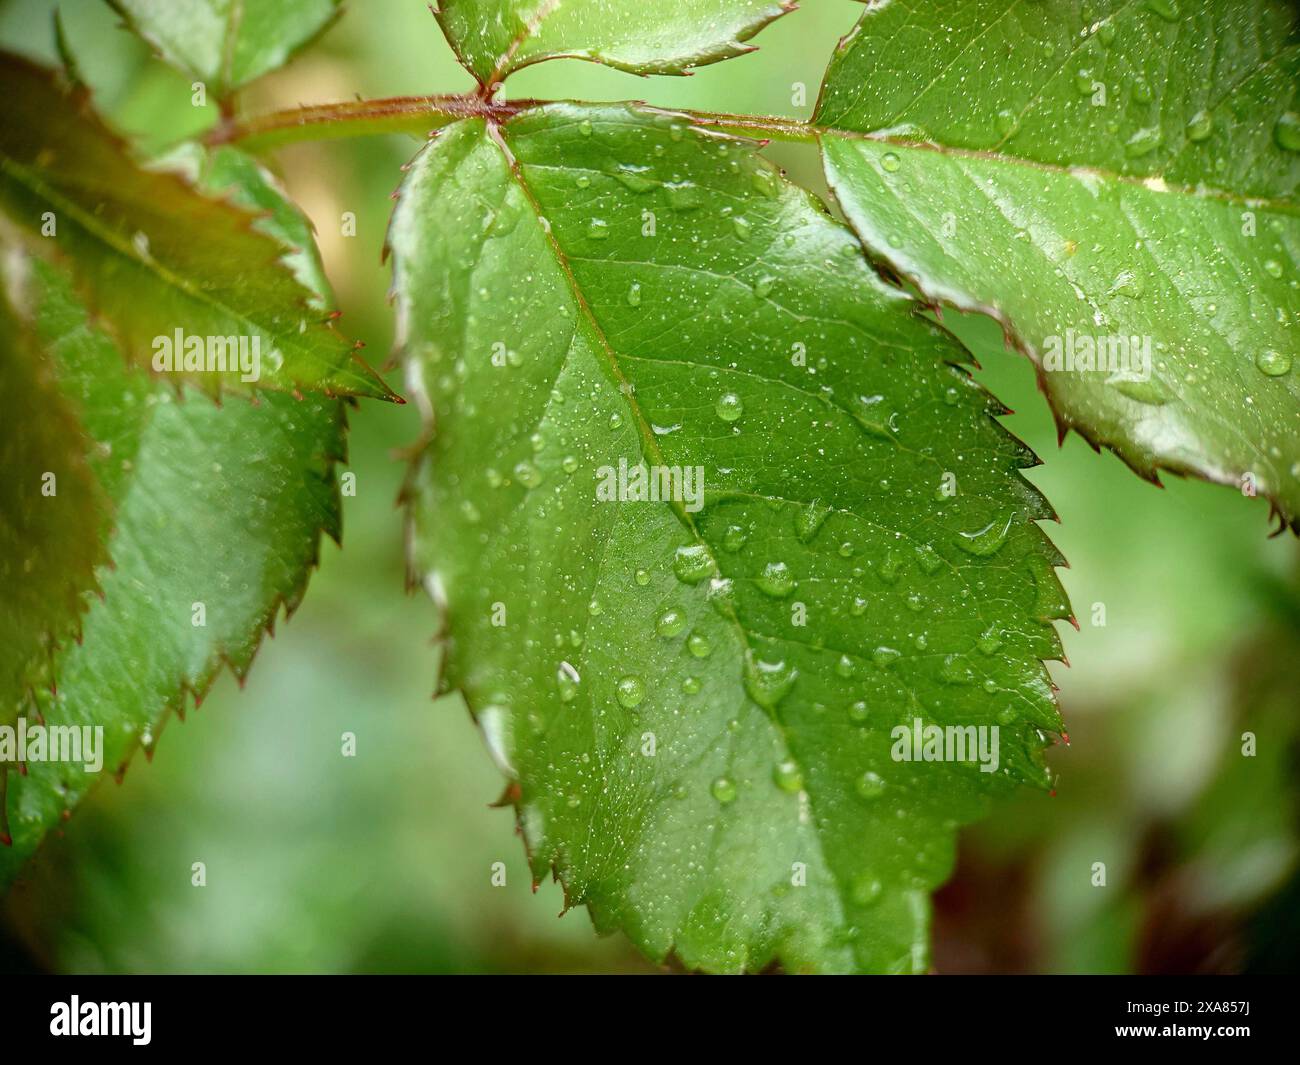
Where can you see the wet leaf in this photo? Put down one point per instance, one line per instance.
(227, 43)
(1118, 187)
(218, 512)
(494, 37)
(694, 697)
(52, 516)
(155, 258)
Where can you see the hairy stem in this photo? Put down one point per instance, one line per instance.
(420, 115)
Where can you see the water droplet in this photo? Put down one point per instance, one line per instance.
(859, 712)
(1149, 391)
(528, 475)
(890, 162)
(724, 790)
(763, 286)
(632, 177)
(1142, 91)
(775, 580)
(1200, 126)
(567, 678)
(691, 685)
(1287, 131)
(1143, 142)
(569, 464)
(734, 538)
(870, 785)
(742, 227)
(630, 691)
(670, 623)
(928, 559)
(889, 569)
(845, 667)
(866, 889)
(642, 577)
(598, 229)
(692, 563)
(808, 520)
(1083, 82)
(698, 644)
(988, 540)
(956, 671)
(1273, 268)
(583, 181)
(884, 657)
(729, 407)
(584, 127)
(682, 196)
(768, 682)
(787, 777)
(870, 414)
(634, 295)
(989, 642)
(615, 420)
(1273, 363)
(1165, 9)
(1008, 122)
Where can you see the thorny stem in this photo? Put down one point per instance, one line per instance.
(420, 115)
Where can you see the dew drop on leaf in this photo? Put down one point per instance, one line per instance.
(730, 407)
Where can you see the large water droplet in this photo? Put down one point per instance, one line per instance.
(870, 785)
(1273, 363)
(670, 623)
(808, 520)
(630, 691)
(890, 161)
(698, 644)
(787, 776)
(598, 229)
(724, 790)
(1165, 9)
(866, 889)
(730, 407)
(775, 580)
(768, 682)
(988, 540)
(1287, 131)
(692, 563)
(1142, 142)
(567, 678)
(734, 538)
(1200, 126)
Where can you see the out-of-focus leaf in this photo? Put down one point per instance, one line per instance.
(695, 704)
(156, 258)
(227, 43)
(52, 517)
(218, 516)
(1118, 179)
(494, 37)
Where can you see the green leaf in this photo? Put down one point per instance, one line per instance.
(52, 517)
(227, 43)
(1127, 171)
(494, 37)
(593, 285)
(219, 506)
(153, 256)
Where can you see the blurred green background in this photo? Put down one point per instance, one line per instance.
(382, 862)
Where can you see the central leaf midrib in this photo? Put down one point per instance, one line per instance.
(1287, 206)
(651, 449)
